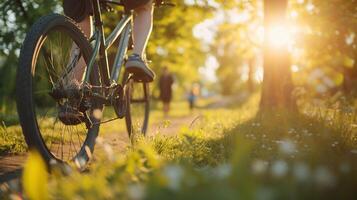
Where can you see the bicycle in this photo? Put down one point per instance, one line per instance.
(47, 59)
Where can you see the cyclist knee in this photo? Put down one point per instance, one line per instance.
(145, 8)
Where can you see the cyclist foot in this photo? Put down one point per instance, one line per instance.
(141, 72)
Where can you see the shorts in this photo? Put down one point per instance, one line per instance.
(78, 10)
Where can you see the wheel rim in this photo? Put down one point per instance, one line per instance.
(51, 64)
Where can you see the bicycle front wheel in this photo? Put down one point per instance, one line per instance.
(54, 54)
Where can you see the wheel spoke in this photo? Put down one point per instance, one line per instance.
(53, 65)
(138, 111)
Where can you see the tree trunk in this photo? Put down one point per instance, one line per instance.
(250, 81)
(277, 83)
(349, 79)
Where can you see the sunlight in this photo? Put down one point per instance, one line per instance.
(258, 75)
(295, 68)
(278, 36)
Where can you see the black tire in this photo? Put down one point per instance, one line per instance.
(138, 108)
(27, 82)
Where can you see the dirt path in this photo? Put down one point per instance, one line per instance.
(11, 165)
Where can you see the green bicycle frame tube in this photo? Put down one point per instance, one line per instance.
(123, 28)
(117, 31)
(119, 57)
(96, 36)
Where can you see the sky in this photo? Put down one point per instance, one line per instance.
(206, 31)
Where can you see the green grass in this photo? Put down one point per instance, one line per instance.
(230, 153)
(179, 109)
(12, 140)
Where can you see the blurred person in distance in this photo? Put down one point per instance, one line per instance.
(165, 85)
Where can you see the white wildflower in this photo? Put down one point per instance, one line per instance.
(334, 144)
(174, 175)
(301, 171)
(259, 166)
(287, 147)
(292, 130)
(323, 177)
(223, 171)
(136, 192)
(279, 168)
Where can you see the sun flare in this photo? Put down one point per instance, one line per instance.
(278, 35)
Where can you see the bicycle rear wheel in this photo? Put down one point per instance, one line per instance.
(138, 107)
(49, 60)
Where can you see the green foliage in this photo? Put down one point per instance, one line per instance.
(325, 44)
(11, 139)
(172, 43)
(322, 44)
(16, 17)
(233, 155)
(236, 45)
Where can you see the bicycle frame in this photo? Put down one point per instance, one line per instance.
(101, 45)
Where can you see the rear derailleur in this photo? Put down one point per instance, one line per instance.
(73, 105)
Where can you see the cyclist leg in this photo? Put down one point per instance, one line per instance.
(136, 63)
(80, 11)
(143, 22)
(86, 26)
(74, 78)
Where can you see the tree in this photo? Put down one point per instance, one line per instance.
(329, 42)
(237, 46)
(277, 83)
(15, 19)
(172, 42)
